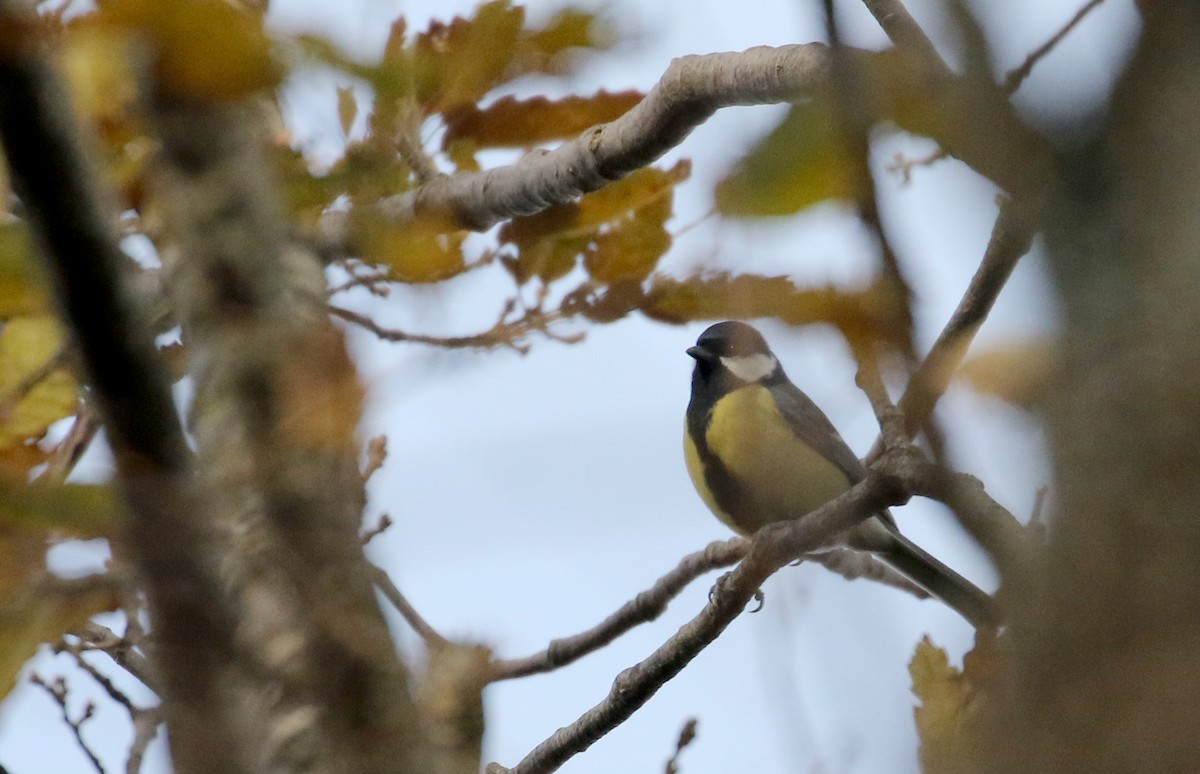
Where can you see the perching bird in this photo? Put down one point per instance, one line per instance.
(759, 451)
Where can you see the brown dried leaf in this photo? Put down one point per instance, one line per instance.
(551, 241)
(458, 63)
(718, 297)
(520, 123)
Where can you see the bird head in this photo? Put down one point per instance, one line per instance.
(734, 352)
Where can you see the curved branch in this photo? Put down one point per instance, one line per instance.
(990, 138)
(643, 608)
(774, 546)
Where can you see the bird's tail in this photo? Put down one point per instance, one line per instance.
(942, 582)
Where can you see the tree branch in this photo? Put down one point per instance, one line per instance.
(989, 137)
(50, 174)
(1011, 238)
(645, 607)
(772, 548)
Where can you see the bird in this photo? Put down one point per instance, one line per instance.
(759, 451)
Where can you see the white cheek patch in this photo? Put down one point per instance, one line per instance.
(750, 368)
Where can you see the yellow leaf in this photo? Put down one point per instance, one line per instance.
(804, 160)
(1017, 372)
(944, 718)
(204, 50)
(83, 511)
(460, 62)
(858, 315)
(22, 288)
(419, 251)
(33, 392)
(550, 241)
(630, 249)
(32, 609)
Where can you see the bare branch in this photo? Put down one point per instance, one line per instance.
(502, 334)
(904, 31)
(405, 608)
(50, 174)
(1017, 75)
(384, 522)
(985, 520)
(645, 607)
(686, 736)
(1011, 238)
(772, 547)
(97, 637)
(58, 692)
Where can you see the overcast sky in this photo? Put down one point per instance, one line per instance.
(535, 494)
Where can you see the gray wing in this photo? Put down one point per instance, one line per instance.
(811, 425)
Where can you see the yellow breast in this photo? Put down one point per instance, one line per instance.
(778, 476)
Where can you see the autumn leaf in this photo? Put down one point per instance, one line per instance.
(458, 63)
(22, 288)
(204, 50)
(521, 123)
(859, 315)
(571, 30)
(1017, 372)
(804, 160)
(33, 608)
(34, 390)
(627, 214)
(426, 249)
(943, 727)
(347, 108)
(631, 248)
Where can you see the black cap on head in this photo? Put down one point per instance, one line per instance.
(731, 339)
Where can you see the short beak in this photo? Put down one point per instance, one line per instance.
(701, 354)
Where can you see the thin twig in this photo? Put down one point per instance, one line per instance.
(407, 611)
(97, 637)
(502, 334)
(376, 456)
(1017, 75)
(146, 723)
(645, 607)
(904, 166)
(58, 692)
(686, 736)
(384, 522)
(1011, 239)
(67, 454)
